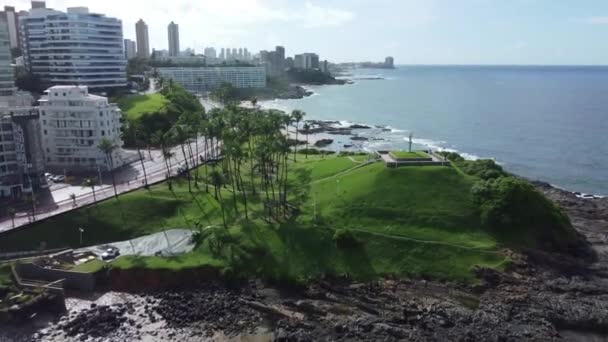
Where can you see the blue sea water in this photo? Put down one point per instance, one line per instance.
(546, 123)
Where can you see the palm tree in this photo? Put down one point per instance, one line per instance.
(32, 201)
(107, 147)
(217, 180)
(138, 138)
(180, 134)
(90, 183)
(11, 213)
(307, 132)
(297, 116)
(73, 197)
(162, 140)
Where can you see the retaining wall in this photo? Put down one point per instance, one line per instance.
(73, 280)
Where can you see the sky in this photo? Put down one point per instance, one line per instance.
(413, 31)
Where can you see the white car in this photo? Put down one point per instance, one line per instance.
(110, 253)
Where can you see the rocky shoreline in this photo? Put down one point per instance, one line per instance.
(541, 296)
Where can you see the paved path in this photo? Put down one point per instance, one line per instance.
(128, 178)
(166, 243)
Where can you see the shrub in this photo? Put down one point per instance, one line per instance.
(314, 151)
(511, 207)
(344, 238)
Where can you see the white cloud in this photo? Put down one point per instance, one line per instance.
(597, 20)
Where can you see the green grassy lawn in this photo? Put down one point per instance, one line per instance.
(90, 266)
(5, 275)
(409, 155)
(136, 106)
(407, 221)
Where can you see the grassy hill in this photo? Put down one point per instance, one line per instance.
(136, 106)
(359, 220)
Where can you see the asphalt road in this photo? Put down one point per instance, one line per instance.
(128, 178)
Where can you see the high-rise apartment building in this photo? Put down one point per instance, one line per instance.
(38, 4)
(12, 21)
(74, 122)
(21, 159)
(173, 30)
(143, 41)
(130, 49)
(306, 61)
(222, 55)
(7, 85)
(73, 47)
(389, 62)
(210, 52)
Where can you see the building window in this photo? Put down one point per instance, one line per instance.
(63, 94)
(100, 113)
(45, 132)
(103, 132)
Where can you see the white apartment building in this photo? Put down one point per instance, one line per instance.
(76, 47)
(204, 79)
(73, 123)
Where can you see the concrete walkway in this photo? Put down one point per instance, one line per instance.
(166, 243)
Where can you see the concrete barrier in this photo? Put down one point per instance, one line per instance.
(71, 280)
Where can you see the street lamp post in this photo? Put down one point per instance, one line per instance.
(80, 230)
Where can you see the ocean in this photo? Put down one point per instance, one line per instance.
(547, 123)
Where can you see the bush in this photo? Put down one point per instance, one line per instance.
(482, 168)
(314, 151)
(511, 207)
(344, 238)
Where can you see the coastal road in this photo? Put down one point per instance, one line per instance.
(129, 177)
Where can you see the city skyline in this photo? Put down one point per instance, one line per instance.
(413, 31)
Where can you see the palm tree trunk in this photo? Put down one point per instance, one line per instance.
(306, 145)
(233, 181)
(141, 159)
(222, 208)
(295, 146)
(93, 190)
(187, 167)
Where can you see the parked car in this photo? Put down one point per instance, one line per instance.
(58, 178)
(110, 253)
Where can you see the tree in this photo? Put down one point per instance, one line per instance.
(307, 132)
(180, 134)
(224, 93)
(107, 147)
(32, 202)
(139, 137)
(297, 116)
(217, 180)
(11, 213)
(90, 183)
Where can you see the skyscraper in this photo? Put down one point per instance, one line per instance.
(210, 52)
(12, 22)
(173, 30)
(95, 59)
(223, 54)
(130, 49)
(143, 42)
(38, 4)
(7, 87)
